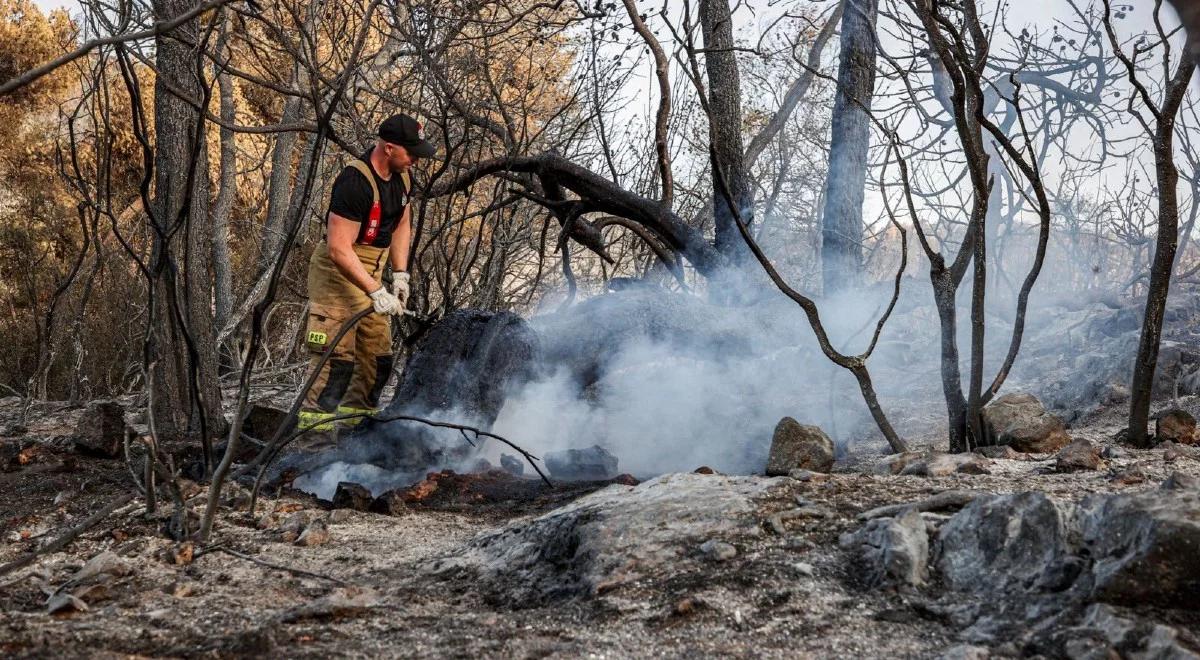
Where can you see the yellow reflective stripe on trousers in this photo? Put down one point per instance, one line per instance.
(315, 420)
(347, 410)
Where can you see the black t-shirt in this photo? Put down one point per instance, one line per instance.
(351, 198)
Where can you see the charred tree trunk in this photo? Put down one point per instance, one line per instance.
(725, 129)
(842, 222)
(223, 206)
(278, 199)
(183, 359)
(1167, 176)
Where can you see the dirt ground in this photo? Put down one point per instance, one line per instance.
(369, 590)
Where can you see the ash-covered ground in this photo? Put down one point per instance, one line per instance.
(1082, 553)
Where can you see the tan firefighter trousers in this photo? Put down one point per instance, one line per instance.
(358, 368)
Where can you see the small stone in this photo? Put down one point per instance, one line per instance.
(965, 652)
(340, 515)
(1080, 455)
(895, 463)
(291, 528)
(1129, 476)
(1172, 452)
(807, 475)
(350, 495)
(512, 465)
(1002, 452)
(1176, 426)
(183, 553)
(183, 589)
(1181, 481)
(315, 534)
(804, 568)
(718, 550)
(685, 606)
(107, 563)
(63, 602)
(391, 503)
(798, 446)
(1112, 452)
(937, 464)
(704, 469)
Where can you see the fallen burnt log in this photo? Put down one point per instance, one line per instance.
(447, 490)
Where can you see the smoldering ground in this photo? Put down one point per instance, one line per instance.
(668, 381)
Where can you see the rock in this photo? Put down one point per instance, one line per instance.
(965, 652)
(610, 538)
(315, 534)
(807, 475)
(64, 602)
(895, 463)
(704, 469)
(1112, 452)
(105, 563)
(936, 464)
(350, 495)
(1143, 547)
(101, 429)
(181, 554)
(481, 465)
(891, 551)
(339, 603)
(804, 568)
(338, 516)
(290, 530)
(512, 465)
(1019, 421)
(1129, 476)
(391, 503)
(1181, 481)
(262, 422)
(798, 446)
(718, 550)
(1001, 541)
(1176, 426)
(1173, 451)
(1003, 452)
(1080, 455)
(949, 500)
(593, 463)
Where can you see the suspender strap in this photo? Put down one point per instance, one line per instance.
(365, 170)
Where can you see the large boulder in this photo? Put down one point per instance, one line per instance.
(1144, 547)
(101, 429)
(1020, 421)
(1002, 542)
(797, 446)
(610, 538)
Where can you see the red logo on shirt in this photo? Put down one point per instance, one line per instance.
(372, 224)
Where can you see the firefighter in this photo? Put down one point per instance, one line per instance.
(367, 228)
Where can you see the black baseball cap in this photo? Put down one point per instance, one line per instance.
(408, 133)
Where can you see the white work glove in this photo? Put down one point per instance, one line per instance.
(400, 289)
(384, 302)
